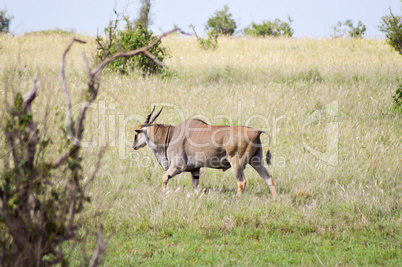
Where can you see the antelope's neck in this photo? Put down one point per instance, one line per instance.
(158, 141)
(160, 155)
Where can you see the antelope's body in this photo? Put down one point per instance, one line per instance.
(194, 144)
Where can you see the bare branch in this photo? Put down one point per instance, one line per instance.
(61, 159)
(100, 248)
(32, 128)
(2, 213)
(100, 155)
(31, 94)
(63, 78)
(73, 189)
(154, 58)
(81, 117)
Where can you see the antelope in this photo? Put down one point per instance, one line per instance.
(194, 144)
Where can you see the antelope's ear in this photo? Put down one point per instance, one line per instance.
(138, 129)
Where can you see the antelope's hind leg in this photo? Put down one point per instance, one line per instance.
(241, 180)
(258, 165)
(238, 170)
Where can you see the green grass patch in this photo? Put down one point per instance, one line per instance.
(284, 245)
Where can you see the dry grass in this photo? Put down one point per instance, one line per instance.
(355, 204)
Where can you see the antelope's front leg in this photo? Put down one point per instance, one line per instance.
(169, 174)
(195, 175)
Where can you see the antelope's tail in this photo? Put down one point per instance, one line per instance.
(268, 156)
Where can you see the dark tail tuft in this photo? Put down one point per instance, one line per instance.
(268, 157)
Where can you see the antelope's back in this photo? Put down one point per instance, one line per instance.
(198, 134)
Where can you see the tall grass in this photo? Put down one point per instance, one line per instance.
(344, 214)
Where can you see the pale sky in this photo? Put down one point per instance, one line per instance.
(312, 18)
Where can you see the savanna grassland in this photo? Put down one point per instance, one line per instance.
(344, 213)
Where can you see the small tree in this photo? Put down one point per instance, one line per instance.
(270, 28)
(5, 21)
(222, 22)
(355, 32)
(144, 18)
(391, 25)
(131, 37)
(346, 28)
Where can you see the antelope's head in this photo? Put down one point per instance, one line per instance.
(141, 136)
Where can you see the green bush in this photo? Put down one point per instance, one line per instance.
(346, 28)
(132, 37)
(398, 94)
(391, 25)
(270, 28)
(211, 42)
(5, 21)
(222, 22)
